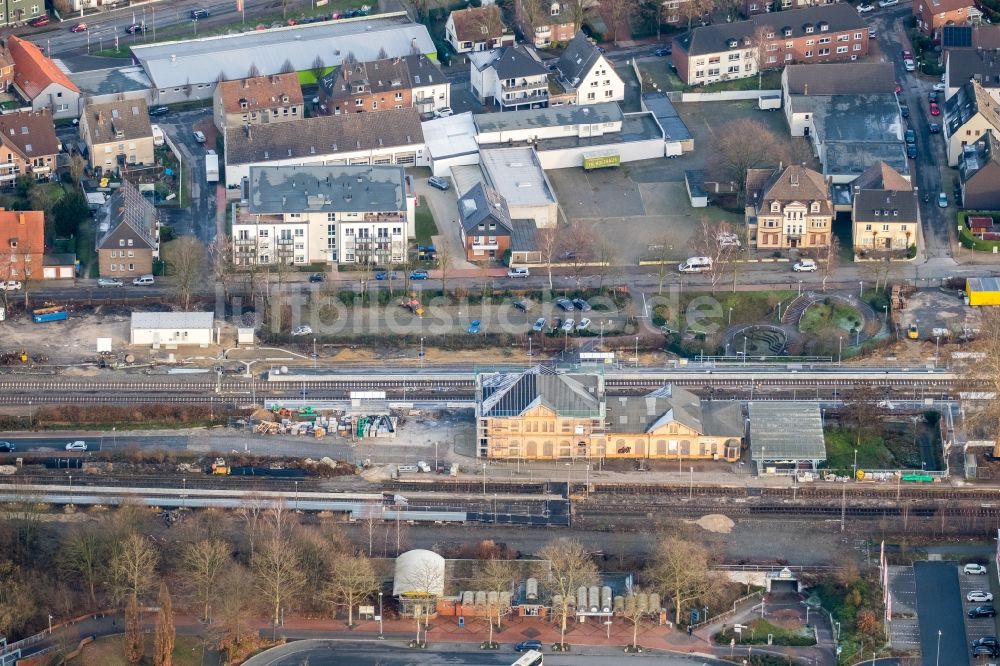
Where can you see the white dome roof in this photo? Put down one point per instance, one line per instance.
(419, 573)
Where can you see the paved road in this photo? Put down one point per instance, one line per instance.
(335, 653)
(939, 607)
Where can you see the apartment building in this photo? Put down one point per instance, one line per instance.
(28, 144)
(128, 237)
(969, 115)
(117, 134)
(19, 12)
(932, 15)
(509, 78)
(751, 7)
(22, 244)
(788, 208)
(724, 51)
(391, 83)
(338, 214)
(259, 100)
(545, 23)
(477, 29)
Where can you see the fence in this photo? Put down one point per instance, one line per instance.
(728, 95)
(728, 613)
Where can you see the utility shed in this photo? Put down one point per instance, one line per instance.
(983, 291)
(170, 329)
(786, 437)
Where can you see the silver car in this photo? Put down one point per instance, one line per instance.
(539, 325)
(109, 282)
(568, 325)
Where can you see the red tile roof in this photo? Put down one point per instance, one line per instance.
(33, 72)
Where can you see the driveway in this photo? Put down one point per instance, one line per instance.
(939, 606)
(444, 207)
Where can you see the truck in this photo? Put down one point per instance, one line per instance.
(211, 167)
(42, 315)
(769, 102)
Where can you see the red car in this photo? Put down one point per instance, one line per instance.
(935, 109)
(899, 88)
(39, 22)
(79, 27)
(907, 55)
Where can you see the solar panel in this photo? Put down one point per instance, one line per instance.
(956, 37)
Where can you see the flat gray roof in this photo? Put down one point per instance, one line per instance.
(318, 189)
(110, 81)
(553, 116)
(172, 64)
(635, 127)
(854, 157)
(516, 174)
(781, 431)
(173, 320)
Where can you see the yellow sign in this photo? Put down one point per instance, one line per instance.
(601, 161)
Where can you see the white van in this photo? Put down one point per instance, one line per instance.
(143, 281)
(518, 273)
(695, 265)
(157, 135)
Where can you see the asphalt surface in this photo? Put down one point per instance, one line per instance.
(334, 653)
(939, 608)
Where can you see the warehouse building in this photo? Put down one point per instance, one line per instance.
(983, 291)
(786, 437)
(172, 329)
(188, 70)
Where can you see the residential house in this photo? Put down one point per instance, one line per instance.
(933, 15)
(22, 244)
(258, 101)
(6, 69)
(117, 134)
(968, 114)
(545, 23)
(40, 82)
(788, 208)
(973, 64)
(128, 234)
(885, 212)
(517, 175)
(850, 114)
(671, 423)
(724, 51)
(393, 136)
(486, 227)
(393, 83)
(18, 12)
(28, 145)
(338, 214)
(751, 7)
(979, 171)
(584, 70)
(509, 78)
(477, 29)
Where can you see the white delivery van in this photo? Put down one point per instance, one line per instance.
(157, 135)
(695, 265)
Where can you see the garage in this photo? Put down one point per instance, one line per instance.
(982, 291)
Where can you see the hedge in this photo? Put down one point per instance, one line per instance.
(967, 239)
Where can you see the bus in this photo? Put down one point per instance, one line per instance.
(529, 658)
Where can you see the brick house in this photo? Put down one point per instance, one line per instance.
(391, 83)
(258, 101)
(128, 238)
(28, 144)
(751, 7)
(545, 23)
(485, 222)
(932, 15)
(724, 51)
(477, 29)
(22, 244)
(788, 208)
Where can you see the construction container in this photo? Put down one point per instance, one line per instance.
(982, 291)
(531, 589)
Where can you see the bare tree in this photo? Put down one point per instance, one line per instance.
(549, 241)
(287, 67)
(635, 613)
(185, 260)
(497, 576)
(741, 145)
(223, 261)
(581, 247)
(352, 580)
(236, 605)
(133, 643)
(571, 568)
(204, 561)
(712, 240)
(489, 21)
(17, 599)
(860, 410)
(77, 168)
(829, 257)
(369, 523)
(251, 512)
(133, 567)
(318, 67)
(83, 554)
(163, 641)
(760, 41)
(662, 254)
(620, 13)
(530, 12)
(444, 265)
(681, 569)
(578, 11)
(695, 9)
(278, 576)
(253, 71)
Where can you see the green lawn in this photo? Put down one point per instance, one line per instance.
(749, 307)
(872, 453)
(830, 315)
(425, 226)
(108, 652)
(656, 75)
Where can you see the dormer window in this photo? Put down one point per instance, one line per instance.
(284, 99)
(119, 134)
(483, 29)
(243, 104)
(824, 26)
(787, 32)
(775, 207)
(732, 43)
(815, 207)
(770, 35)
(13, 243)
(554, 9)
(808, 28)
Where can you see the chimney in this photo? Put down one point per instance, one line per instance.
(246, 83)
(20, 218)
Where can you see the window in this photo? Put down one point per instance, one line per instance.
(263, 233)
(775, 207)
(824, 52)
(824, 40)
(130, 242)
(734, 69)
(809, 54)
(131, 267)
(131, 254)
(814, 208)
(770, 35)
(843, 38)
(121, 242)
(772, 47)
(609, 93)
(857, 35)
(788, 56)
(299, 233)
(113, 267)
(857, 47)
(841, 49)
(591, 96)
(734, 56)
(809, 29)
(771, 59)
(810, 42)
(713, 72)
(699, 73)
(885, 227)
(359, 102)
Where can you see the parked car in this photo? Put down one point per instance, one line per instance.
(904, 110)
(864, 8)
(665, 51)
(932, 96)
(79, 27)
(443, 112)
(979, 596)
(907, 55)
(302, 330)
(10, 285)
(583, 325)
(418, 275)
(568, 255)
(518, 273)
(473, 327)
(911, 151)
(933, 128)
(985, 651)
(317, 277)
(982, 611)
(539, 325)
(109, 282)
(564, 304)
(974, 570)
(7, 447)
(568, 325)
(39, 21)
(935, 109)
(523, 306)
(136, 28)
(144, 281)
(159, 111)
(899, 88)
(78, 445)
(524, 646)
(386, 275)
(581, 304)
(199, 136)
(909, 65)
(992, 641)
(940, 86)
(942, 200)
(805, 266)
(887, 3)
(910, 136)
(198, 14)
(439, 183)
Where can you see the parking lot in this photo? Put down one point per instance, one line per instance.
(940, 605)
(976, 627)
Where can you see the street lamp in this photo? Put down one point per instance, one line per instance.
(380, 634)
(50, 628)
(637, 351)
(421, 352)
(731, 315)
(861, 288)
(800, 287)
(435, 456)
(937, 660)
(840, 348)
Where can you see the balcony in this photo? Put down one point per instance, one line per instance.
(525, 85)
(541, 98)
(245, 241)
(383, 217)
(284, 241)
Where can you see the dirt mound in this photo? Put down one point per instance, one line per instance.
(716, 522)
